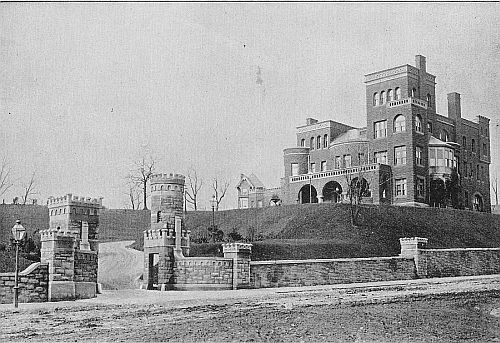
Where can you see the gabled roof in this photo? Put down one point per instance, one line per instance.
(252, 180)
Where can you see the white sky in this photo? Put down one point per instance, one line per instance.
(86, 88)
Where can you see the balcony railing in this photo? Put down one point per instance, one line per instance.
(413, 101)
(336, 172)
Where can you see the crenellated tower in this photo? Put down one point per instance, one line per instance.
(167, 199)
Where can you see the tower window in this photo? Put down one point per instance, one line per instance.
(418, 156)
(413, 92)
(323, 166)
(318, 142)
(312, 143)
(347, 161)
(158, 216)
(398, 94)
(380, 129)
(400, 155)
(400, 188)
(443, 135)
(418, 124)
(464, 142)
(302, 142)
(375, 99)
(399, 123)
(390, 95)
(429, 100)
(381, 157)
(429, 127)
(382, 98)
(325, 141)
(473, 146)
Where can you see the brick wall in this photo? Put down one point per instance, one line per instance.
(195, 272)
(85, 266)
(459, 262)
(33, 284)
(330, 271)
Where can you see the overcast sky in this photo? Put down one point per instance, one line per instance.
(87, 88)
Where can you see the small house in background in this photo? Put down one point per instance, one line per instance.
(252, 193)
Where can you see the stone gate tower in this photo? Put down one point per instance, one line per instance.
(167, 199)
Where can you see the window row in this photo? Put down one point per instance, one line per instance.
(73, 211)
(316, 142)
(383, 97)
(473, 146)
(479, 172)
(398, 125)
(401, 187)
(166, 187)
(390, 95)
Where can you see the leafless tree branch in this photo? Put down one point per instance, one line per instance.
(141, 173)
(6, 181)
(220, 188)
(194, 185)
(29, 188)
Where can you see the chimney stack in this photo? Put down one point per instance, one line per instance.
(454, 108)
(420, 62)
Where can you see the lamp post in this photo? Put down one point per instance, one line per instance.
(18, 232)
(213, 201)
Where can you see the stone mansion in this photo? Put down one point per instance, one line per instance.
(406, 155)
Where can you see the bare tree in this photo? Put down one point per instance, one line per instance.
(5, 180)
(141, 173)
(357, 188)
(29, 188)
(220, 188)
(134, 194)
(194, 185)
(494, 186)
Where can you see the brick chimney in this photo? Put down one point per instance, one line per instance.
(454, 108)
(311, 121)
(420, 62)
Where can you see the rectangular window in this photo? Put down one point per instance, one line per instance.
(313, 167)
(323, 166)
(244, 203)
(485, 152)
(259, 203)
(400, 188)
(440, 158)
(400, 155)
(318, 142)
(466, 172)
(380, 129)
(244, 191)
(381, 157)
(420, 187)
(347, 161)
(361, 158)
(338, 162)
(295, 169)
(418, 156)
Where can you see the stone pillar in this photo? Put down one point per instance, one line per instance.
(240, 253)
(58, 251)
(84, 243)
(410, 248)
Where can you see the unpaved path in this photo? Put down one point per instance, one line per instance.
(437, 310)
(119, 266)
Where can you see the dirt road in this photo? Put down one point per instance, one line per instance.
(119, 266)
(440, 310)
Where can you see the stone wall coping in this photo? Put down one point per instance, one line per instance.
(460, 249)
(203, 259)
(70, 199)
(329, 260)
(25, 272)
(413, 239)
(236, 247)
(89, 252)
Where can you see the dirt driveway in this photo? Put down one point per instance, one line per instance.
(414, 311)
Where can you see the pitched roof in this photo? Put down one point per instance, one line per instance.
(252, 180)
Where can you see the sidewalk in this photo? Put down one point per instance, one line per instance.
(370, 292)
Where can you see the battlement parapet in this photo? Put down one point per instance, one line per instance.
(168, 178)
(51, 234)
(164, 233)
(70, 199)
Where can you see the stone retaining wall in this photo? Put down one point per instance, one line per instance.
(203, 272)
(459, 262)
(85, 266)
(329, 271)
(33, 284)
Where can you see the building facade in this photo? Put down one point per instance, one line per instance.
(406, 155)
(253, 194)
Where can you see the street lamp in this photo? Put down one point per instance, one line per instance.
(213, 202)
(18, 232)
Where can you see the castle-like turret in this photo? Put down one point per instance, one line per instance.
(167, 199)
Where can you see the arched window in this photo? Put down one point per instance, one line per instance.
(318, 142)
(464, 142)
(429, 100)
(51, 212)
(375, 99)
(478, 203)
(399, 123)
(95, 212)
(418, 124)
(312, 143)
(443, 135)
(398, 94)
(325, 141)
(382, 98)
(302, 142)
(64, 211)
(473, 145)
(413, 92)
(161, 187)
(390, 95)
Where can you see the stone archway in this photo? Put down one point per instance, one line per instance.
(332, 192)
(308, 194)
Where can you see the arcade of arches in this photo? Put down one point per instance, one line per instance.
(332, 192)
